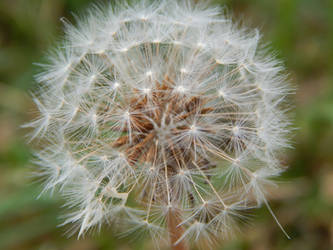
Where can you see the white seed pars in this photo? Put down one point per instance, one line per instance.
(156, 109)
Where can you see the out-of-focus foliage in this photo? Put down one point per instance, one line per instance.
(302, 33)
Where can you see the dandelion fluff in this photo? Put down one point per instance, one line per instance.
(165, 117)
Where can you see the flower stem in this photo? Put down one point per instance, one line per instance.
(175, 231)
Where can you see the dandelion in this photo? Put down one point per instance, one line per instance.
(161, 117)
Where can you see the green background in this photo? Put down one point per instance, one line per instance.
(301, 31)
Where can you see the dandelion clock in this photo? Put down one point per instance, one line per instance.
(160, 117)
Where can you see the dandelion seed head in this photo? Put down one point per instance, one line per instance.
(179, 109)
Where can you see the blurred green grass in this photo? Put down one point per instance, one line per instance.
(301, 31)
